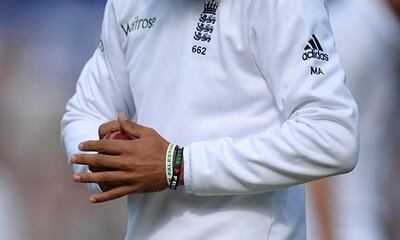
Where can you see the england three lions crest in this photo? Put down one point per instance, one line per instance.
(205, 26)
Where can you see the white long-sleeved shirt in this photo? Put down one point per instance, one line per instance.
(255, 92)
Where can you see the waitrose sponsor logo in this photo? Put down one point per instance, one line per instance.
(138, 23)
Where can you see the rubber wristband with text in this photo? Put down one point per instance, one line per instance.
(169, 162)
(177, 168)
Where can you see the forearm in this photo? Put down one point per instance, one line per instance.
(321, 194)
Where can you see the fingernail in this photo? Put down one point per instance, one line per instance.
(73, 159)
(80, 146)
(92, 199)
(122, 116)
(76, 177)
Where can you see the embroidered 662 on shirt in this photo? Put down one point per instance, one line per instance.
(233, 106)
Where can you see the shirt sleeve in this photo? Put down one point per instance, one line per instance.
(102, 92)
(295, 51)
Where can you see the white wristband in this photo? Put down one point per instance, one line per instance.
(169, 162)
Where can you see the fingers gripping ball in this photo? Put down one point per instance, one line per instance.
(115, 135)
(118, 135)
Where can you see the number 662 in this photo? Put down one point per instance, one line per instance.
(199, 50)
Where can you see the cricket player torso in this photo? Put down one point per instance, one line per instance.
(197, 56)
(193, 77)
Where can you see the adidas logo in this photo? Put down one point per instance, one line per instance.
(314, 50)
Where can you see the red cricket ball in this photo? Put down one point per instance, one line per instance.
(118, 135)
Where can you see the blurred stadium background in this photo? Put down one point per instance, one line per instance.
(43, 47)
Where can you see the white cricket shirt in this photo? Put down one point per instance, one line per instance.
(255, 92)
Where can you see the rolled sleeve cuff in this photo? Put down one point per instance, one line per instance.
(188, 169)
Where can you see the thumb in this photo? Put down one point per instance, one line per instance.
(130, 127)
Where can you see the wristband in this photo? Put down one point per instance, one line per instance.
(169, 162)
(177, 168)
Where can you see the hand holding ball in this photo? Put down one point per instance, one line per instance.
(115, 135)
(119, 167)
